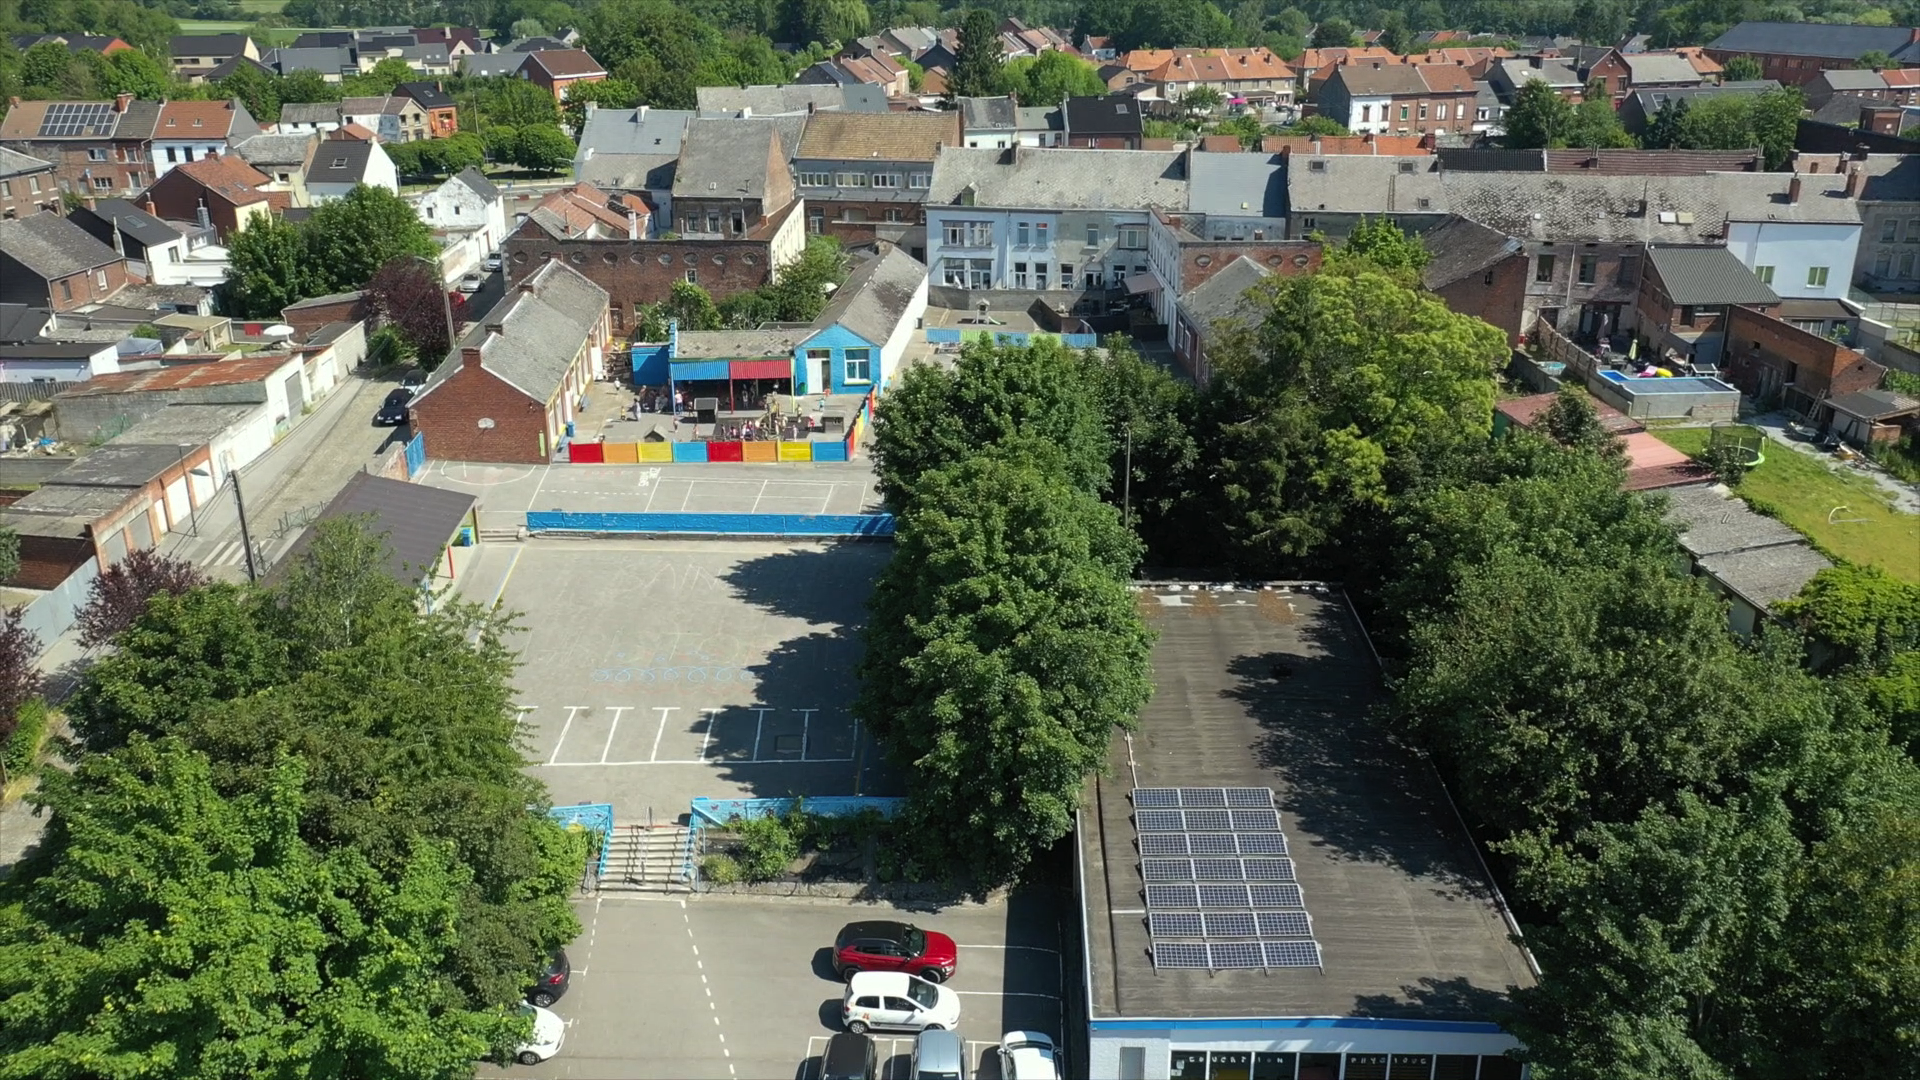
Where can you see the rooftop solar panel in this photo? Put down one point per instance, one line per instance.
(1210, 820)
(1204, 797)
(1250, 798)
(1166, 843)
(1268, 869)
(1156, 798)
(1224, 896)
(1175, 924)
(1174, 954)
(1292, 953)
(1222, 955)
(1272, 843)
(1284, 924)
(1172, 896)
(1218, 870)
(1158, 870)
(1254, 821)
(1230, 924)
(1211, 843)
(1158, 821)
(1276, 896)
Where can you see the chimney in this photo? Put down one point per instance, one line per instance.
(809, 108)
(1793, 191)
(527, 285)
(200, 215)
(13, 102)
(470, 354)
(120, 102)
(641, 116)
(633, 225)
(1856, 179)
(1376, 65)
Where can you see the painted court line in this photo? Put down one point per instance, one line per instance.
(617, 710)
(707, 736)
(697, 761)
(758, 723)
(663, 710)
(572, 710)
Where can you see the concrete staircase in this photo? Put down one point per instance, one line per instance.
(647, 859)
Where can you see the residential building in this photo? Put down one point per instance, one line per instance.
(857, 342)
(192, 130)
(865, 175)
(989, 121)
(469, 203)
(1621, 73)
(1113, 122)
(1236, 208)
(1036, 125)
(1803, 242)
(607, 239)
(1686, 296)
(443, 115)
(1860, 83)
(732, 176)
(1478, 271)
(224, 192)
(114, 500)
(1476, 59)
(1889, 201)
(1315, 65)
(1042, 220)
(49, 262)
(1380, 98)
(97, 147)
(1508, 76)
(1903, 85)
(1254, 74)
(508, 389)
(1328, 196)
(284, 160)
(505, 64)
(791, 99)
(27, 185)
(142, 239)
(632, 150)
(1212, 310)
(459, 40)
(318, 117)
(1365, 145)
(1868, 418)
(1794, 53)
(309, 315)
(392, 118)
(29, 354)
(554, 70)
(1641, 106)
(1774, 362)
(196, 55)
(104, 44)
(1353, 986)
(342, 163)
(332, 63)
(1489, 112)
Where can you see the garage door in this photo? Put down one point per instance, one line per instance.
(178, 507)
(296, 400)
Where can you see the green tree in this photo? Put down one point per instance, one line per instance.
(1052, 77)
(977, 68)
(798, 292)
(306, 87)
(523, 29)
(1382, 243)
(1174, 23)
(9, 553)
(1334, 33)
(1395, 35)
(1155, 463)
(1741, 69)
(1201, 100)
(1596, 126)
(1875, 60)
(690, 304)
(1776, 124)
(1004, 651)
(1664, 130)
(838, 21)
(348, 239)
(1859, 614)
(1572, 421)
(1539, 117)
(1718, 123)
(543, 148)
(605, 94)
(130, 71)
(1317, 126)
(269, 270)
(381, 80)
(257, 90)
(993, 395)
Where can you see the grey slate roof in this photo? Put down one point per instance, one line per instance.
(875, 296)
(480, 65)
(1648, 101)
(1459, 248)
(788, 99)
(478, 182)
(288, 149)
(14, 163)
(1038, 118)
(1707, 275)
(1767, 576)
(133, 221)
(310, 112)
(1660, 68)
(1108, 114)
(735, 344)
(995, 113)
(427, 95)
(208, 44)
(1237, 185)
(1874, 404)
(1352, 184)
(1061, 179)
(20, 323)
(1518, 71)
(53, 247)
(725, 159)
(416, 520)
(1847, 79)
(1712, 521)
(1844, 109)
(326, 61)
(634, 131)
(1224, 295)
(1604, 208)
(1836, 41)
(356, 153)
(541, 332)
(627, 172)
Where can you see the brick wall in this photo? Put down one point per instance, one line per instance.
(20, 199)
(633, 271)
(79, 290)
(312, 317)
(450, 418)
(1768, 358)
(46, 561)
(1500, 303)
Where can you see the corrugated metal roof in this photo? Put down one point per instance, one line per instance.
(1707, 275)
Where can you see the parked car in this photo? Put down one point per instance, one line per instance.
(1029, 1055)
(894, 946)
(548, 1032)
(470, 283)
(849, 1057)
(939, 1055)
(897, 1001)
(493, 262)
(393, 412)
(551, 984)
(413, 378)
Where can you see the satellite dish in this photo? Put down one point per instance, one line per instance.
(279, 330)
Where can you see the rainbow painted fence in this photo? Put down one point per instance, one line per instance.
(701, 453)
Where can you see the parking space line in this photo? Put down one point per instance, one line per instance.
(759, 723)
(663, 710)
(571, 711)
(605, 750)
(806, 723)
(707, 736)
(696, 761)
(1006, 993)
(1029, 948)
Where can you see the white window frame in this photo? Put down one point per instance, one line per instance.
(850, 180)
(863, 373)
(886, 181)
(1132, 237)
(920, 180)
(816, 179)
(1817, 277)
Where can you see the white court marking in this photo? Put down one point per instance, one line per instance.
(706, 738)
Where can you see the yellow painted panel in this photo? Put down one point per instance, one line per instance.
(654, 451)
(796, 451)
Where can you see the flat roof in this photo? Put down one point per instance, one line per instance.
(187, 424)
(417, 520)
(121, 465)
(1274, 687)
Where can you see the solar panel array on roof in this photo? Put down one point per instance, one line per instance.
(66, 119)
(1216, 873)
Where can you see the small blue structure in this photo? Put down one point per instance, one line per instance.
(595, 816)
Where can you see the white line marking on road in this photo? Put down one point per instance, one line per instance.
(520, 716)
(806, 722)
(761, 494)
(707, 736)
(663, 710)
(684, 499)
(1004, 993)
(697, 761)
(617, 710)
(1039, 948)
(571, 711)
(508, 576)
(545, 471)
(758, 723)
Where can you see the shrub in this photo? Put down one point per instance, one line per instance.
(767, 845)
(18, 756)
(720, 870)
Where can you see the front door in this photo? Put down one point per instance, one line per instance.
(823, 380)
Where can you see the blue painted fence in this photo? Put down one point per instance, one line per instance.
(712, 812)
(650, 364)
(871, 525)
(941, 335)
(416, 455)
(595, 816)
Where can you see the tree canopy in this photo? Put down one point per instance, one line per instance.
(337, 248)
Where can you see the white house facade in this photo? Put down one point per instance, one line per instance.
(1798, 259)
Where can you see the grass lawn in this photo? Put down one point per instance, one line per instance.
(1802, 491)
(282, 35)
(262, 7)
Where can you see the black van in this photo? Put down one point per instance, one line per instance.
(849, 1057)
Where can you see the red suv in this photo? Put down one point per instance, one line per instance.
(892, 946)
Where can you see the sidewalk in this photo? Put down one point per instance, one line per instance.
(20, 828)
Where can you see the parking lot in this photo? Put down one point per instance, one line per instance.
(656, 671)
(743, 987)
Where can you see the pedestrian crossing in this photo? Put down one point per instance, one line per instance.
(231, 553)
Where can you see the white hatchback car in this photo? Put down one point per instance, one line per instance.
(548, 1033)
(1029, 1055)
(897, 1001)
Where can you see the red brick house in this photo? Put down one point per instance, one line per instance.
(97, 147)
(1771, 359)
(27, 185)
(1477, 271)
(554, 70)
(233, 194)
(508, 391)
(47, 261)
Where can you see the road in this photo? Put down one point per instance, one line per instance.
(291, 483)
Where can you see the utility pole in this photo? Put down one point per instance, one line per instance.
(246, 539)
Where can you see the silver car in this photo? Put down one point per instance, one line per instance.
(939, 1055)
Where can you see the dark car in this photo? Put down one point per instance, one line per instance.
(894, 946)
(413, 378)
(849, 1057)
(393, 412)
(551, 984)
